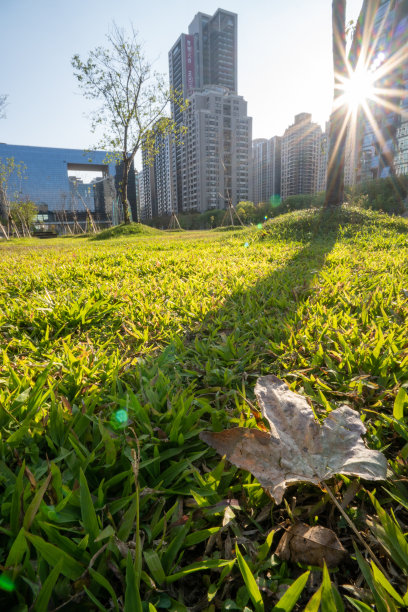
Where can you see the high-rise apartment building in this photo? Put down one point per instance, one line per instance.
(350, 157)
(147, 192)
(216, 151)
(401, 43)
(381, 39)
(300, 156)
(207, 55)
(157, 197)
(323, 159)
(211, 167)
(216, 41)
(266, 169)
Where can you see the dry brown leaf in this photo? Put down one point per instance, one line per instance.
(310, 545)
(298, 448)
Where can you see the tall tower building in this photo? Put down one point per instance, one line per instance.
(207, 55)
(381, 39)
(216, 150)
(158, 197)
(266, 169)
(300, 156)
(216, 39)
(323, 159)
(147, 190)
(203, 67)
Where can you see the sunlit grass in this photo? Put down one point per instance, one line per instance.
(137, 343)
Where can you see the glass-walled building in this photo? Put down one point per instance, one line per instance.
(381, 38)
(67, 182)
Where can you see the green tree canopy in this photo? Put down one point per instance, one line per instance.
(133, 99)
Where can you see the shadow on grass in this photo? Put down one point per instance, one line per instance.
(236, 341)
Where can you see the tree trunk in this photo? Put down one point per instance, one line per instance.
(338, 118)
(124, 188)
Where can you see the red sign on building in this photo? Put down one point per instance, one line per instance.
(190, 67)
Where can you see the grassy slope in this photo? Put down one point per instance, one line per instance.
(146, 341)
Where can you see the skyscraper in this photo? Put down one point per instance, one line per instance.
(266, 169)
(157, 194)
(300, 156)
(207, 55)
(211, 168)
(216, 151)
(381, 40)
(323, 159)
(216, 41)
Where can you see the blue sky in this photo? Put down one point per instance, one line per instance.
(284, 59)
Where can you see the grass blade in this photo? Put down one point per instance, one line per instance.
(288, 601)
(132, 595)
(88, 513)
(250, 581)
(106, 585)
(328, 603)
(154, 564)
(198, 567)
(17, 550)
(51, 554)
(35, 504)
(44, 596)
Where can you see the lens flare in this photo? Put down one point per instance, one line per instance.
(121, 416)
(359, 88)
(275, 200)
(246, 245)
(6, 583)
(259, 226)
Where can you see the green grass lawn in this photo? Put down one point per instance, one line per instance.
(118, 352)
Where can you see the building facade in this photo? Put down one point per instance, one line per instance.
(380, 143)
(157, 177)
(300, 157)
(323, 159)
(52, 180)
(207, 55)
(216, 151)
(212, 166)
(266, 169)
(401, 36)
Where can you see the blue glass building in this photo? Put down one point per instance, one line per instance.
(381, 38)
(46, 181)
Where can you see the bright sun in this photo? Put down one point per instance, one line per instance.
(358, 88)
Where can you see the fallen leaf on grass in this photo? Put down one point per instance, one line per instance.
(298, 448)
(311, 545)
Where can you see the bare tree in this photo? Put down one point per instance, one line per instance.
(133, 99)
(338, 126)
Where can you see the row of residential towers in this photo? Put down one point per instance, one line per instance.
(210, 168)
(218, 161)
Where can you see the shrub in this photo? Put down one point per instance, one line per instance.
(386, 194)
